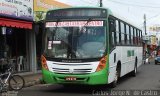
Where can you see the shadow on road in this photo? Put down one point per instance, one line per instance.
(77, 88)
(126, 78)
(87, 89)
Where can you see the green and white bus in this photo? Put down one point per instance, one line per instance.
(89, 45)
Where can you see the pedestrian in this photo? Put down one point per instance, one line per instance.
(147, 60)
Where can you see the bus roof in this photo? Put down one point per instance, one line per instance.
(76, 7)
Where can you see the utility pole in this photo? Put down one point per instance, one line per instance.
(100, 3)
(145, 42)
(145, 24)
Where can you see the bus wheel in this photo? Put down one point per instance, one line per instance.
(134, 72)
(114, 83)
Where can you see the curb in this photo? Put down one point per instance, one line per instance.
(32, 83)
(32, 79)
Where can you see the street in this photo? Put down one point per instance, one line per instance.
(147, 78)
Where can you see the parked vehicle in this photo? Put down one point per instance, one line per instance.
(157, 60)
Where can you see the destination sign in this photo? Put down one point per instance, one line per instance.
(72, 13)
(74, 23)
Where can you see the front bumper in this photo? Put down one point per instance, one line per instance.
(96, 78)
(157, 62)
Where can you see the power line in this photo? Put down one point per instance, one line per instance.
(91, 3)
(151, 18)
(158, 4)
(154, 16)
(140, 6)
(133, 4)
(137, 5)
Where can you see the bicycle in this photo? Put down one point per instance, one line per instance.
(10, 81)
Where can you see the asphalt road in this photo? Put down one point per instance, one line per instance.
(148, 78)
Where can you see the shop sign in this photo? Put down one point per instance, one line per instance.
(145, 37)
(155, 28)
(41, 6)
(18, 9)
(153, 40)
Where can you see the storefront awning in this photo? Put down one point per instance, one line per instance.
(15, 23)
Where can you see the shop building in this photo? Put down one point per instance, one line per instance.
(17, 38)
(21, 31)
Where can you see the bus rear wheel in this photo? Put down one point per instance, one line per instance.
(134, 72)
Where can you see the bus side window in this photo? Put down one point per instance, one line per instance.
(117, 32)
(131, 35)
(141, 38)
(112, 33)
(122, 31)
(127, 36)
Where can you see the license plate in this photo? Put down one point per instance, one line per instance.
(71, 78)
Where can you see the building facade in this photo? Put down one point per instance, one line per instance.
(20, 32)
(17, 38)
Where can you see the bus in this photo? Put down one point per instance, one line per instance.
(89, 46)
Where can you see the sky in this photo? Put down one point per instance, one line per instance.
(134, 10)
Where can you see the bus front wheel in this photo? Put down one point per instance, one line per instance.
(116, 77)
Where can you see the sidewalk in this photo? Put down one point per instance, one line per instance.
(32, 79)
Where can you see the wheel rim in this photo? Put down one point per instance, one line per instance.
(116, 77)
(16, 83)
(1, 87)
(135, 70)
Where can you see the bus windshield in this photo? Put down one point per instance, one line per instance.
(75, 40)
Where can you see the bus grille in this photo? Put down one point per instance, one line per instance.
(71, 71)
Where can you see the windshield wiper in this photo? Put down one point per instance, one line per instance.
(82, 28)
(71, 51)
(55, 30)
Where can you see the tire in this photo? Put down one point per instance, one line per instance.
(155, 62)
(115, 82)
(134, 72)
(1, 87)
(16, 82)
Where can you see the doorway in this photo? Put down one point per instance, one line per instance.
(17, 48)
